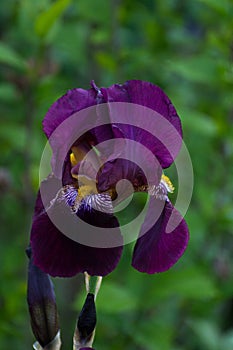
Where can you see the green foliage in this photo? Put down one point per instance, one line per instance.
(50, 16)
(9, 57)
(185, 47)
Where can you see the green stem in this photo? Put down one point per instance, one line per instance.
(92, 283)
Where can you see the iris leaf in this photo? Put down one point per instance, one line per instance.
(11, 58)
(47, 19)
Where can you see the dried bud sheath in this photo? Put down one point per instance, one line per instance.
(55, 344)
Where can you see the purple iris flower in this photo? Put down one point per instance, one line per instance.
(87, 194)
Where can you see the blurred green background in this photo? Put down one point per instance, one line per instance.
(186, 47)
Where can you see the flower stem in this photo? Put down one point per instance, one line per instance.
(92, 283)
(85, 329)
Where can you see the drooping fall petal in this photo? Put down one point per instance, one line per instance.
(57, 254)
(157, 250)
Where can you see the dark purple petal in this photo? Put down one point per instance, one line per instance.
(83, 145)
(85, 168)
(151, 96)
(73, 101)
(165, 145)
(119, 169)
(67, 171)
(157, 250)
(58, 255)
(49, 188)
(91, 165)
(116, 93)
(134, 163)
(65, 127)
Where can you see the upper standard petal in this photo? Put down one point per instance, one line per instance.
(160, 132)
(73, 101)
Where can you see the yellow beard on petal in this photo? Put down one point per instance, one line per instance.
(86, 190)
(167, 183)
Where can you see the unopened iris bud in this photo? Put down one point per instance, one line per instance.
(85, 330)
(42, 308)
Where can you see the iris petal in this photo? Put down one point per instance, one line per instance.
(156, 250)
(114, 171)
(151, 96)
(58, 255)
(73, 101)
